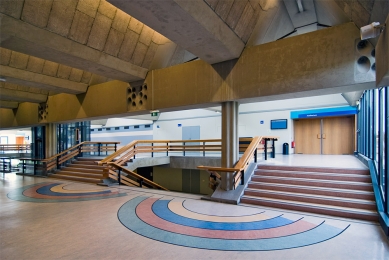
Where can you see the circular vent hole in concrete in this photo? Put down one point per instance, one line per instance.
(363, 64)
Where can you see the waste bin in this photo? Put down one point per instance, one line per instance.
(285, 148)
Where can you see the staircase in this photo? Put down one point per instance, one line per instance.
(337, 192)
(83, 169)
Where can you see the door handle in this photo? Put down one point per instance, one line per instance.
(318, 136)
(323, 136)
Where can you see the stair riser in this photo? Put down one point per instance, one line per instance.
(263, 186)
(71, 169)
(312, 200)
(85, 162)
(315, 184)
(94, 167)
(82, 175)
(67, 177)
(313, 169)
(365, 179)
(330, 212)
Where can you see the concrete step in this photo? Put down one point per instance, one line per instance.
(314, 169)
(317, 199)
(85, 162)
(75, 178)
(344, 193)
(315, 175)
(337, 211)
(80, 174)
(82, 170)
(312, 182)
(86, 166)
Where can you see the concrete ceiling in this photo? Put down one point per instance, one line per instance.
(64, 46)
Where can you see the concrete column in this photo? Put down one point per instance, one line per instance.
(51, 139)
(230, 140)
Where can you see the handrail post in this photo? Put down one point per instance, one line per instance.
(140, 183)
(106, 149)
(265, 148)
(116, 146)
(23, 166)
(242, 178)
(99, 148)
(256, 155)
(273, 154)
(204, 149)
(184, 148)
(152, 149)
(167, 149)
(57, 159)
(119, 176)
(134, 150)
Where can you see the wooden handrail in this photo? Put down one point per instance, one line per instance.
(137, 176)
(136, 147)
(129, 151)
(243, 162)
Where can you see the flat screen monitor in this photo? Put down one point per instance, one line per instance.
(279, 124)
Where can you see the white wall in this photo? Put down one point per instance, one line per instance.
(166, 127)
(11, 135)
(250, 117)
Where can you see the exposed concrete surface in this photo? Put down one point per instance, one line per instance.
(28, 78)
(191, 24)
(147, 162)
(233, 196)
(382, 57)
(191, 162)
(26, 38)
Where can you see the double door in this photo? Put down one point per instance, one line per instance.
(332, 135)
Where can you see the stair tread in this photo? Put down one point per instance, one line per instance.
(315, 205)
(314, 180)
(329, 174)
(318, 169)
(314, 188)
(313, 196)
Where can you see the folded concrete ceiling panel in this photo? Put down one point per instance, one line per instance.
(191, 24)
(8, 104)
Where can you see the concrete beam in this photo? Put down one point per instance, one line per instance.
(382, 57)
(21, 96)
(191, 24)
(28, 78)
(8, 104)
(26, 38)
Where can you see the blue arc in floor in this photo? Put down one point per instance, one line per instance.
(161, 209)
(46, 190)
(127, 216)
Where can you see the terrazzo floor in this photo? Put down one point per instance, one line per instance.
(45, 219)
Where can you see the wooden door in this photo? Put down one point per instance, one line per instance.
(307, 136)
(19, 139)
(338, 135)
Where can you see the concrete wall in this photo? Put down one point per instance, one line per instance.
(180, 180)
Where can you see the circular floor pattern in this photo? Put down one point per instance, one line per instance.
(167, 221)
(55, 192)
